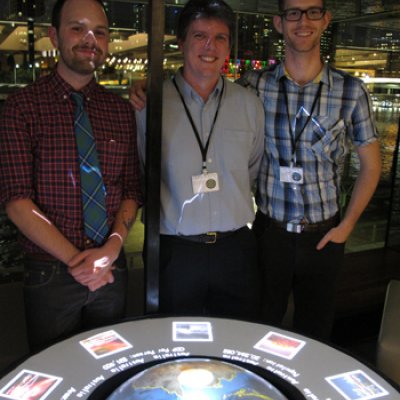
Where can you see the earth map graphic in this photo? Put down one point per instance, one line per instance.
(196, 379)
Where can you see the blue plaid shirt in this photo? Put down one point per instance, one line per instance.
(342, 116)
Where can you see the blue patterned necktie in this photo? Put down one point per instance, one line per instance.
(92, 185)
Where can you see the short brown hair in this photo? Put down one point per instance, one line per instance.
(57, 9)
(281, 5)
(207, 9)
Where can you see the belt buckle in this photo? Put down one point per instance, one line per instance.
(213, 236)
(295, 226)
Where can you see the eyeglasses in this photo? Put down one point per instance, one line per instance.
(295, 14)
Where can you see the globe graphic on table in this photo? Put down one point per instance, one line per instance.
(196, 379)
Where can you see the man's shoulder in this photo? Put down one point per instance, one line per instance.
(270, 70)
(346, 85)
(31, 88)
(27, 94)
(345, 76)
(241, 98)
(257, 78)
(240, 90)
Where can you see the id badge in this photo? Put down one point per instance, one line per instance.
(291, 175)
(205, 183)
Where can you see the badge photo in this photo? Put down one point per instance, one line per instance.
(291, 175)
(205, 183)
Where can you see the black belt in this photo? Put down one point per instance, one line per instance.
(308, 227)
(209, 237)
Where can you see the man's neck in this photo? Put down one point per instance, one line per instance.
(304, 70)
(77, 81)
(203, 87)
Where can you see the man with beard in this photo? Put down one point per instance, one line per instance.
(74, 271)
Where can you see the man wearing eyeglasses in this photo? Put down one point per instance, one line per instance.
(314, 113)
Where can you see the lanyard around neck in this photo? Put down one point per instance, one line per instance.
(203, 149)
(295, 138)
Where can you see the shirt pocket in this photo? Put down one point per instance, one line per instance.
(236, 147)
(113, 152)
(329, 139)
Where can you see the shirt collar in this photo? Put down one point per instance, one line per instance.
(324, 76)
(189, 93)
(63, 89)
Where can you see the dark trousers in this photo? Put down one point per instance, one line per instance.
(57, 306)
(219, 279)
(291, 263)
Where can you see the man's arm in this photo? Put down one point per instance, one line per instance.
(16, 177)
(364, 188)
(258, 145)
(137, 94)
(31, 221)
(100, 260)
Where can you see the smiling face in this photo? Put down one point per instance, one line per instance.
(303, 36)
(205, 48)
(82, 39)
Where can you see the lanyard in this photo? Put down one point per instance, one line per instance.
(203, 149)
(295, 139)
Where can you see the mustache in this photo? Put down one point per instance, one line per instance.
(96, 49)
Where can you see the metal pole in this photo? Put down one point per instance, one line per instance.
(153, 154)
(31, 36)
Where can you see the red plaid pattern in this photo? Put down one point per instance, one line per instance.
(39, 158)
